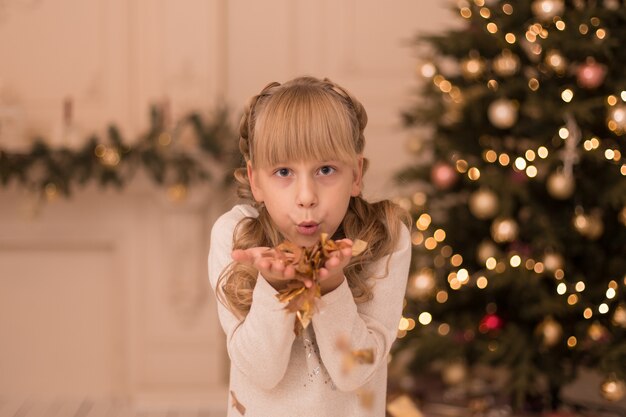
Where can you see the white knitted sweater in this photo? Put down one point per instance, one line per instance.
(273, 373)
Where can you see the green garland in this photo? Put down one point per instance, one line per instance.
(114, 161)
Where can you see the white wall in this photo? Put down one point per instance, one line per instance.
(123, 276)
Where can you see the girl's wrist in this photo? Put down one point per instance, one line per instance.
(331, 284)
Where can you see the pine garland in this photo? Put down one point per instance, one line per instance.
(113, 160)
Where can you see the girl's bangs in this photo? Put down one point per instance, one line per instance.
(300, 127)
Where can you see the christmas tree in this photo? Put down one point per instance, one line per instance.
(518, 191)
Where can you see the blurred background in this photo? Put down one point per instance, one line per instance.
(104, 298)
(498, 124)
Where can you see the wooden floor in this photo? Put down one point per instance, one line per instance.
(92, 408)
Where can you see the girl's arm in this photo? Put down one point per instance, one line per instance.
(259, 345)
(370, 325)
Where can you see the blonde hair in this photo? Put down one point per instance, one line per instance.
(306, 118)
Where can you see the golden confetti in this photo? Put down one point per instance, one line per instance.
(352, 357)
(237, 405)
(403, 406)
(366, 398)
(300, 298)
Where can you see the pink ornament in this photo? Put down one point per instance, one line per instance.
(443, 175)
(590, 74)
(490, 322)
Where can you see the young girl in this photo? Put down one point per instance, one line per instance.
(303, 146)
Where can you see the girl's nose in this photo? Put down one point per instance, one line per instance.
(306, 193)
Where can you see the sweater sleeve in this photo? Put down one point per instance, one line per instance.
(370, 325)
(259, 345)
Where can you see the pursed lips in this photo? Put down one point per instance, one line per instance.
(307, 227)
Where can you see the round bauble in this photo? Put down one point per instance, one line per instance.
(591, 74)
(504, 229)
(484, 204)
(506, 64)
(490, 322)
(473, 67)
(454, 373)
(546, 9)
(550, 332)
(619, 316)
(589, 225)
(443, 175)
(421, 284)
(553, 261)
(613, 389)
(616, 119)
(556, 61)
(503, 113)
(561, 185)
(597, 332)
(487, 249)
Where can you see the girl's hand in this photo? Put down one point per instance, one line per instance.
(331, 275)
(264, 260)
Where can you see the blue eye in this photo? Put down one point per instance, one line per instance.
(326, 170)
(282, 172)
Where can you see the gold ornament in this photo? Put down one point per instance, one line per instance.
(487, 249)
(550, 331)
(454, 373)
(616, 120)
(619, 316)
(597, 332)
(503, 113)
(484, 204)
(504, 229)
(589, 225)
(552, 261)
(561, 185)
(473, 67)
(506, 64)
(421, 284)
(546, 9)
(613, 389)
(556, 61)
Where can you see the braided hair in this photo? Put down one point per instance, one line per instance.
(306, 118)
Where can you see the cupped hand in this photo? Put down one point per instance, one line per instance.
(331, 274)
(269, 266)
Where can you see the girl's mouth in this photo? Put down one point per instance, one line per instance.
(308, 228)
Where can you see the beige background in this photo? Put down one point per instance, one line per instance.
(105, 296)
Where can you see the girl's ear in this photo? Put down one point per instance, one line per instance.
(256, 191)
(357, 183)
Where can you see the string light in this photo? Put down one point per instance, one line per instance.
(466, 12)
(571, 341)
(561, 288)
(425, 318)
(510, 38)
(515, 261)
(533, 84)
(507, 9)
(601, 33)
(485, 13)
(492, 27)
(456, 260)
(611, 100)
(491, 263)
(583, 29)
(542, 152)
(588, 313)
(443, 329)
(560, 25)
(603, 308)
(567, 95)
(490, 156)
(441, 297)
(482, 282)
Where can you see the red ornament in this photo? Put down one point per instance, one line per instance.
(490, 322)
(443, 175)
(590, 75)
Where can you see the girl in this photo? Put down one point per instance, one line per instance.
(303, 147)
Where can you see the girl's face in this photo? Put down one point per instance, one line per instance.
(306, 198)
